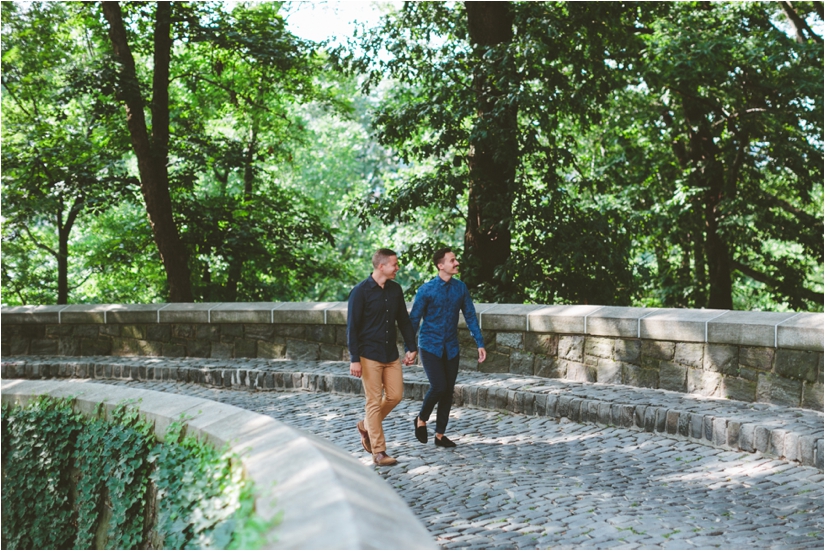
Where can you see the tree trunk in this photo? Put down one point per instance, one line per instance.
(152, 155)
(492, 158)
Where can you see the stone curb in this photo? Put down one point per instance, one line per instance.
(785, 433)
(322, 492)
(800, 331)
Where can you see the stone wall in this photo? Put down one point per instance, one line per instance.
(318, 492)
(764, 357)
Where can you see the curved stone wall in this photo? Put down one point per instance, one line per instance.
(764, 357)
(327, 498)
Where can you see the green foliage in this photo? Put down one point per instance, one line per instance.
(202, 499)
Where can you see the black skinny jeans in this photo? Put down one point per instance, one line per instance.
(442, 374)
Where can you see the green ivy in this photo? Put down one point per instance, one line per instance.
(61, 472)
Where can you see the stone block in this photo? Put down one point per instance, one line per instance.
(720, 431)
(221, 350)
(333, 352)
(246, 348)
(302, 350)
(159, 333)
(286, 330)
(68, 347)
(541, 343)
(574, 409)
(796, 364)
(549, 367)
(639, 416)
(243, 312)
(82, 331)
(129, 331)
(776, 445)
(95, 347)
(341, 335)
(616, 321)
(746, 328)
(790, 449)
(505, 317)
(133, 313)
(722, 358)
(521, 363)
(672, 422)
(661, 419)
(659, 350)
(672, 376)
(683, 425)
(807, 449)
(609, 372)
(772, 389)
(747, 436)
(112, 330)
(302, 312)
(676, 324)
(213, 333)
(173, 350)
(183, 331)
(513, 340)
(707, 428)
(43, 347)
(650, 419)
(812, 394)
(580, 373)
(638, 377)
(761, 438)
(321, 333)
(605, 416)
(689, 353)
(199, 349)
(748, 373)
(599, 347)
(628, 351)
(704, 383)
(51, 331)
(495, 363)
(337, 313)
(464, 364)
(571, 347)
(803, 331)
(735, 388)
(84, 313)
(560, 318)
(818, 459)
(259, 331)
(187, 312)
(756, 357)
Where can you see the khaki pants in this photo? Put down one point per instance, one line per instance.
(384, 388)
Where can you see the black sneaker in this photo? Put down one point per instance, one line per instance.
(444, 442)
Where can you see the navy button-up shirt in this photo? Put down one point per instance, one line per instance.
(372, 314)
(438, 302)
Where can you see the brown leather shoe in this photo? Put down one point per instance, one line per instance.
(383, 460)
(365, 437)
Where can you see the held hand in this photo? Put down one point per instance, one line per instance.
(482, 355)
(355, 369)
(409, 358)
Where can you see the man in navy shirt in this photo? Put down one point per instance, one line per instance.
(437, 303)
(375, 306)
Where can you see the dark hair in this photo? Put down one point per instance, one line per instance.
(438, 255)
(381, 256)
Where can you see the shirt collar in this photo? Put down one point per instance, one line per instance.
(442, 282)
(371, 282)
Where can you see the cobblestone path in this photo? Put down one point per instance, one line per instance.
(523, 482)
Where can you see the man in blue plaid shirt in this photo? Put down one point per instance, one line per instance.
(436, 307)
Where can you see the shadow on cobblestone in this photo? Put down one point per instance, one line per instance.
(524, 482)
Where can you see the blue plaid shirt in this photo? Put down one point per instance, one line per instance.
(437, 303)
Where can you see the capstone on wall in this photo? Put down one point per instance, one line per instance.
(764, 357)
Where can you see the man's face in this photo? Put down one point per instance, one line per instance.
(449, 264)
(389, 269)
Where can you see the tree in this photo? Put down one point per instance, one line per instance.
(61, 156)
(152, 149)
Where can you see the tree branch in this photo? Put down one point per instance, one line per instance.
(37, 243)
(806, 294)
(799, 24)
